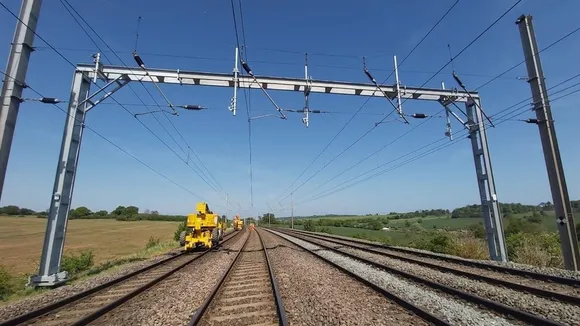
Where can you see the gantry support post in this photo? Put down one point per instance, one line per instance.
(485, 181)
(15, 79)
(554, 166)
(49, 273)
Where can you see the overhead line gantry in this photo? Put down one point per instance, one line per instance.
(116, 77)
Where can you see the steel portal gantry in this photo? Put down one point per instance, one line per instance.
(81, 101)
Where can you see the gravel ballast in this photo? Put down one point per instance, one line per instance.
(452, 310)
(536, 269)
(315, 293)
(28, 304)
(550, 309)
(174, 300)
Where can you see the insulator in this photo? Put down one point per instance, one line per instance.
(419, 115)
(458, 80)
(193, 107)
(138, 60)
(369, 75)
(531, 121)
(315, 111)
(50, 100)
(247, 68)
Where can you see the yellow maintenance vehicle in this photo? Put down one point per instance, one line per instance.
(203, 229)
(238, 223)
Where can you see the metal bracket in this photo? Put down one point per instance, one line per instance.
(398, 87)
(179, 78)
(120, 81)
(98, 70)
(307, 88)
(234, 101)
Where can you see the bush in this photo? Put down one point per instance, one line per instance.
(517, 225)
(325, 230)
(75, 264)
(539, 249)
(7, 287)
(152, 242)
(477, 230)
(470, 248)
(180, 228)
(440, 243)
(416, 227)
(535, 219)
(309, 226)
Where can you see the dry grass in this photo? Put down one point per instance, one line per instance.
(470, 248)
(21, 239)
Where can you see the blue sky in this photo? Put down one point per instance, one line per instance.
(199, 35)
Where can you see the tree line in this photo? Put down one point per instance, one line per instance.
(508, 209)
(121, 213)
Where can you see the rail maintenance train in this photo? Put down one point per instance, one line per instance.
(203, 229)
(238, 223)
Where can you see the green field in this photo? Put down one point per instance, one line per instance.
(334, 217)
(400, 237)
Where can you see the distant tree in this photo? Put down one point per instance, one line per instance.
(101, 213)
(26, 211)
(80, 212)
(154, 213)
(147, 212)
(10, 210)
(575, 205)
(508, 209)
(120, 210)
(83, 211)
(268, 217)
(131, 210)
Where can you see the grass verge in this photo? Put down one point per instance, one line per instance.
(80, 266)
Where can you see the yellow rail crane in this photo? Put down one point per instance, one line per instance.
(238, 223)
(203, 229)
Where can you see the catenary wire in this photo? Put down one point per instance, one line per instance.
(247, 100)
(433, 76)
(74, 66)
(111, 142)
(523, 61)
(170, 104)
(358, 111)
(505, 118)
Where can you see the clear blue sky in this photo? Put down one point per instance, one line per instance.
(377, 29)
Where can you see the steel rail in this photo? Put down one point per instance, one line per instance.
(201, 311)
(84, 294)
(491, 280)
(279, 304)
(495, 306)
(195, 319)
(497, 268)
(425, 315)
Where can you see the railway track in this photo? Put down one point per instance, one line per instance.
(506, 271)
(500, 308)
(247, 293)
(87, 306)
(565, 292)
